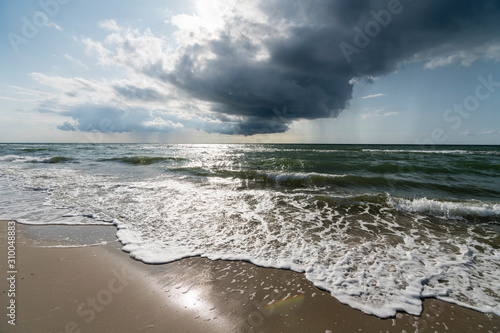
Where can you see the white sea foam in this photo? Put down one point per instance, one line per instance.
(447, 209)
(280, 177)
(417, 151)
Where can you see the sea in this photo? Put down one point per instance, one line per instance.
(380, 227)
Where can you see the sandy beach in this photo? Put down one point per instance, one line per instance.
(77, 279)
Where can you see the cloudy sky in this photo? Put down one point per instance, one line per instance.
(319, 71)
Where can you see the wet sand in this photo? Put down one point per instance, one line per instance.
(62, 286)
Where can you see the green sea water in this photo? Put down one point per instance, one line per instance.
(379, 226)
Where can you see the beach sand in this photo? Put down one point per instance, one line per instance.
(61, 286)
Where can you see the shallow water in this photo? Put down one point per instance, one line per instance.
(379, 227)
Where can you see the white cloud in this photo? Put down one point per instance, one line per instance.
(60, 93)
(372, 96)
(76, 61)
(110, 25)
(130, 48)
(160, 124)
(467, 57)
(55, 26)
(102, 54)
(378, 113)
(10, 99)
(470, 132)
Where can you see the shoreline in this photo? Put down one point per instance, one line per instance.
(64, 287)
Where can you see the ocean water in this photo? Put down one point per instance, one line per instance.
(380, 227)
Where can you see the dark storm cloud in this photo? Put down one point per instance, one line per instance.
(249, 126)
(308, 72)
(383, 34)
(297, 62)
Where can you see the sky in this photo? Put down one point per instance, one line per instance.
(264, 71)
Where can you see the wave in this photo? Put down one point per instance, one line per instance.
(142, 160)
(280, 177)
(31, 159)
(299, 179)
(55, 160)
(31, 150)
(417, 151)
(374, 181)
(473, 211)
